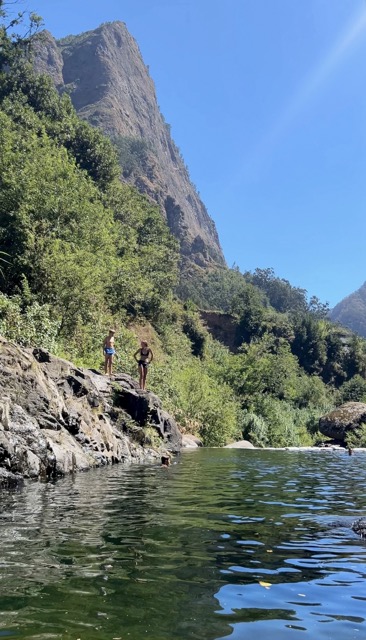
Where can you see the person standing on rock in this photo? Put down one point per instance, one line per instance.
(109, 351)
(143, 357)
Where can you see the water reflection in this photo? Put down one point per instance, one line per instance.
(227, 543)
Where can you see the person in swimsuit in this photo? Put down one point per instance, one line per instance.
(108, 351)
(143, 357)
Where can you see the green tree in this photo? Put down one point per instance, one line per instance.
(355, 356)
(248, 305)
(354, 390)
(280, 293)
(309, 344)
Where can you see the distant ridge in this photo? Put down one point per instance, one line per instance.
(110, 86)
(351, 311)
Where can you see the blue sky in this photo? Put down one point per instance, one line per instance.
(267, 102)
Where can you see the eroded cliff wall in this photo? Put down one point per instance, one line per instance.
(110, 86)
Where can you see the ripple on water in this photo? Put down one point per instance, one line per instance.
(223, 544)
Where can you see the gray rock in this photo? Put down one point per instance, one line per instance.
(9, 480)
(240, 444)
(145, 409)
(190, 441)
(345, 418)
(111, 87)
(358, 526)
(169, 432)
(57, 418)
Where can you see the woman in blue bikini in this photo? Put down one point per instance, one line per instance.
(143, 358)
(109, 351)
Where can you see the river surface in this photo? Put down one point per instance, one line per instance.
(225, 543)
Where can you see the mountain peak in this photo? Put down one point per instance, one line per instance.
(110, 86)
(351, 311)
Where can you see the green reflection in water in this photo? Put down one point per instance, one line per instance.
(182, 552)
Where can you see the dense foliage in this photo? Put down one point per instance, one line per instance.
(80, 250)
(76, 239)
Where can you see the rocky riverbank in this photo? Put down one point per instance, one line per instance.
(56, 418)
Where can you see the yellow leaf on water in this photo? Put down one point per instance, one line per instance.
(266, 585)
(269, 551)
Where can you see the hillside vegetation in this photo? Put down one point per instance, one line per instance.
(81, 251)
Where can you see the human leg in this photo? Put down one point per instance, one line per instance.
(144, 377)
(141, 372)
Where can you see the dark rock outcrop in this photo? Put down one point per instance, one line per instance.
(10, 480)
(110, 86)
(222, 326)
(340, 421)
(56, 418)
(358, 526)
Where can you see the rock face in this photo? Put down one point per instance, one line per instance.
(351, 311)
(56, 418)
(110, 86)
(222, 326)
(345, 418)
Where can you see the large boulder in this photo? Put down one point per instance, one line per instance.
(56, 418)
(340, 421)
(145, 409)
(240, 444)
(189, 441)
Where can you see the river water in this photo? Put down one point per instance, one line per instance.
(225, 543)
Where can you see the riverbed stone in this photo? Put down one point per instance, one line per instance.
(189, 441)
(56, 418)
(359, 527)
(9, 480)
(240, 444)
(347, 417)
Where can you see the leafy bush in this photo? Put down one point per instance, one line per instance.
(353, 390)
(29, 325)
(211, 289)
(194, 331)
(133, 155)
(356, 437)
(255, 429)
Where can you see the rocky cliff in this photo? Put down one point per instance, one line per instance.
(351, 311)
(56, 418)
(110, 86)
